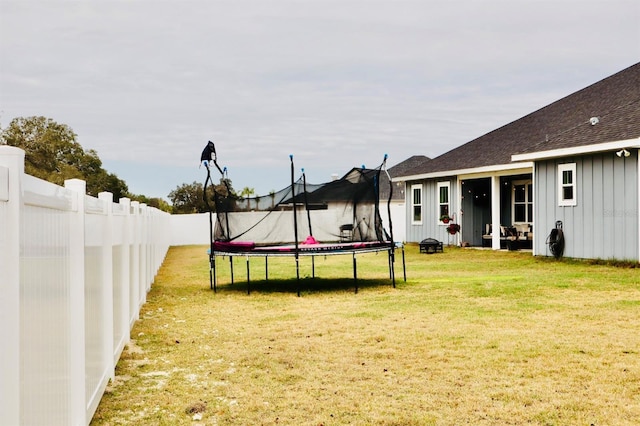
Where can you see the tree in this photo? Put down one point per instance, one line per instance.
(53, 154)
(188, 198)
(158, 203)
(104, 181)
(247, 192)
(48, 147)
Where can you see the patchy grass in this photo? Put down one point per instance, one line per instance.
(473, 337)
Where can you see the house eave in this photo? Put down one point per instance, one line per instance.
(493, 170)
(581, 150)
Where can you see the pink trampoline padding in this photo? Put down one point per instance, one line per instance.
(320, 248)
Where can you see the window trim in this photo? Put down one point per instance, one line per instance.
(416, 186)
(443, 184)
(567, 202)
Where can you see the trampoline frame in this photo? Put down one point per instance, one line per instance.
(304, 250)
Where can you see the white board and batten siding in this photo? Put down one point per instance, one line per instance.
(430, 226)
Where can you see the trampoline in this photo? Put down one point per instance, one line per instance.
(340, 217)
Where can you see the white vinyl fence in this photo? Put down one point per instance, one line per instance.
(74, 272)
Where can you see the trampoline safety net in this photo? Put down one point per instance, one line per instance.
(343, 210)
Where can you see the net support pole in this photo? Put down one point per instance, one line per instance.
(295, 224)
(392, 257)
(306, 202)
(212, 265)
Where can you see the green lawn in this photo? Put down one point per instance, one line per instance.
(473, 337)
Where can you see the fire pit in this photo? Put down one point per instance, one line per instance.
(430, 246)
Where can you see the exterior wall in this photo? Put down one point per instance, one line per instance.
(604, 223)
(190, 229)
(398, 219)
(431, 227)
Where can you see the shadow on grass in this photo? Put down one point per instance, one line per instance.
(307, 285)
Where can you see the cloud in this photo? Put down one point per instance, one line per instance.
(337, 83)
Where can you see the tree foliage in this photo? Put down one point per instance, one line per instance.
(53, 154)
(247, 192)
(158, 203)
(188, 197)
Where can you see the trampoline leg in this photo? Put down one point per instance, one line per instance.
(212, 273)
(248, 278)
(392, 270)
(266, 268)
(298, 274)
(355, 272)
(231, 263)
(313, 266)
(404, 267)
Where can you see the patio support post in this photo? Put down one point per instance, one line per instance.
(458, 237)
(495, 212)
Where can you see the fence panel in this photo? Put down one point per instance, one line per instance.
(75, 272)
(98, 298)
(46, 308)
(120, 275)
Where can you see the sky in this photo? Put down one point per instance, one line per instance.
(336, 84)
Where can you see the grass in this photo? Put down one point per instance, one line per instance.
(473, 337)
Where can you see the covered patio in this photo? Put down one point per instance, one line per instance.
(496, 210)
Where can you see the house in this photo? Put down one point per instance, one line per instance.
(574, 163)
(396, 196)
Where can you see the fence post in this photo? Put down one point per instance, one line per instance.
(12, 160)
(77, 350)
(142, 228)
(107, 279)
(135, 263)
(126, 268)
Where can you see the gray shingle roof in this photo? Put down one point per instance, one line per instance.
(565, 123)
(406, 165)
(399, 169)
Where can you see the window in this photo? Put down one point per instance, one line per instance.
(522, 200)
(567, 184)
(443, 200)
(416, 204)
